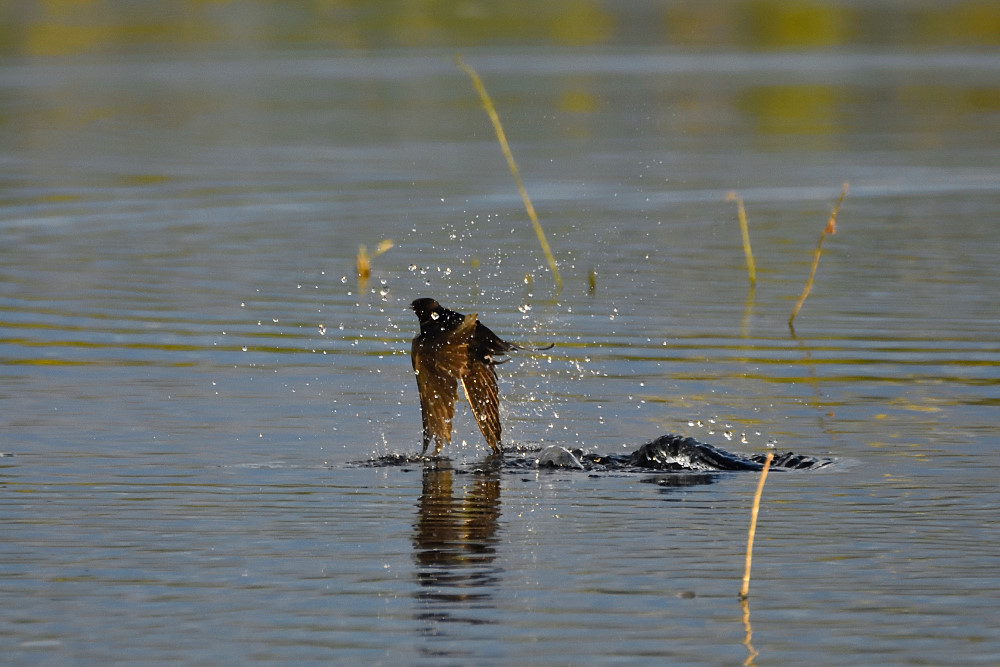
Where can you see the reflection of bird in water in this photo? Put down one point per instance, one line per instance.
(452, 347)
(454, 541)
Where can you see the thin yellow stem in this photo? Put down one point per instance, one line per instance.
(741, 215)
(502, 138)
(753, 524)
(831, 228)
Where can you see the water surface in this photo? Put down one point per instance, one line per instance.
(191, 371)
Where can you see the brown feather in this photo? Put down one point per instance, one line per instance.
(439, 361)
(480, 384)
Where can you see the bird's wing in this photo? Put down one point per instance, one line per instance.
(480, 383)
(439, 364)
(437, 399)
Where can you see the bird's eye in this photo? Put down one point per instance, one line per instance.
(434, 316)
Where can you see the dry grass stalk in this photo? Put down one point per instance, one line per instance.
(753, 525)
(502, 138)
(364, 263)
(741, 214)
(831, 228)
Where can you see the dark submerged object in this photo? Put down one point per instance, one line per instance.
(453, 347)
(675, 453)
(682, 461)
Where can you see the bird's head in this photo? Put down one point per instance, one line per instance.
(426, 309)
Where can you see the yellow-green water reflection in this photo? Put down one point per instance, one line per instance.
(76, 27)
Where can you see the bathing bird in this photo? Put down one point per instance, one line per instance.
(452, 348)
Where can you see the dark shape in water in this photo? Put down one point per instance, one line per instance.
(674, 453)
(453, 347)
(671, 454)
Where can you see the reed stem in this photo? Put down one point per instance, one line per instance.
(753, 525)
(741, 215)
(502, 138)
(831, 228)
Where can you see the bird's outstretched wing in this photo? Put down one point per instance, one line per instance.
(439, 363)
(480, 383)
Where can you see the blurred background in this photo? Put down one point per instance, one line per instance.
(90, 27)
(206, 418)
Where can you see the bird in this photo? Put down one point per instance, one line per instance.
(452, 348)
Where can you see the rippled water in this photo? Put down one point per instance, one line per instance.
(193, 380)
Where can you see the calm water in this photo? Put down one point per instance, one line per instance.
(192, 378)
